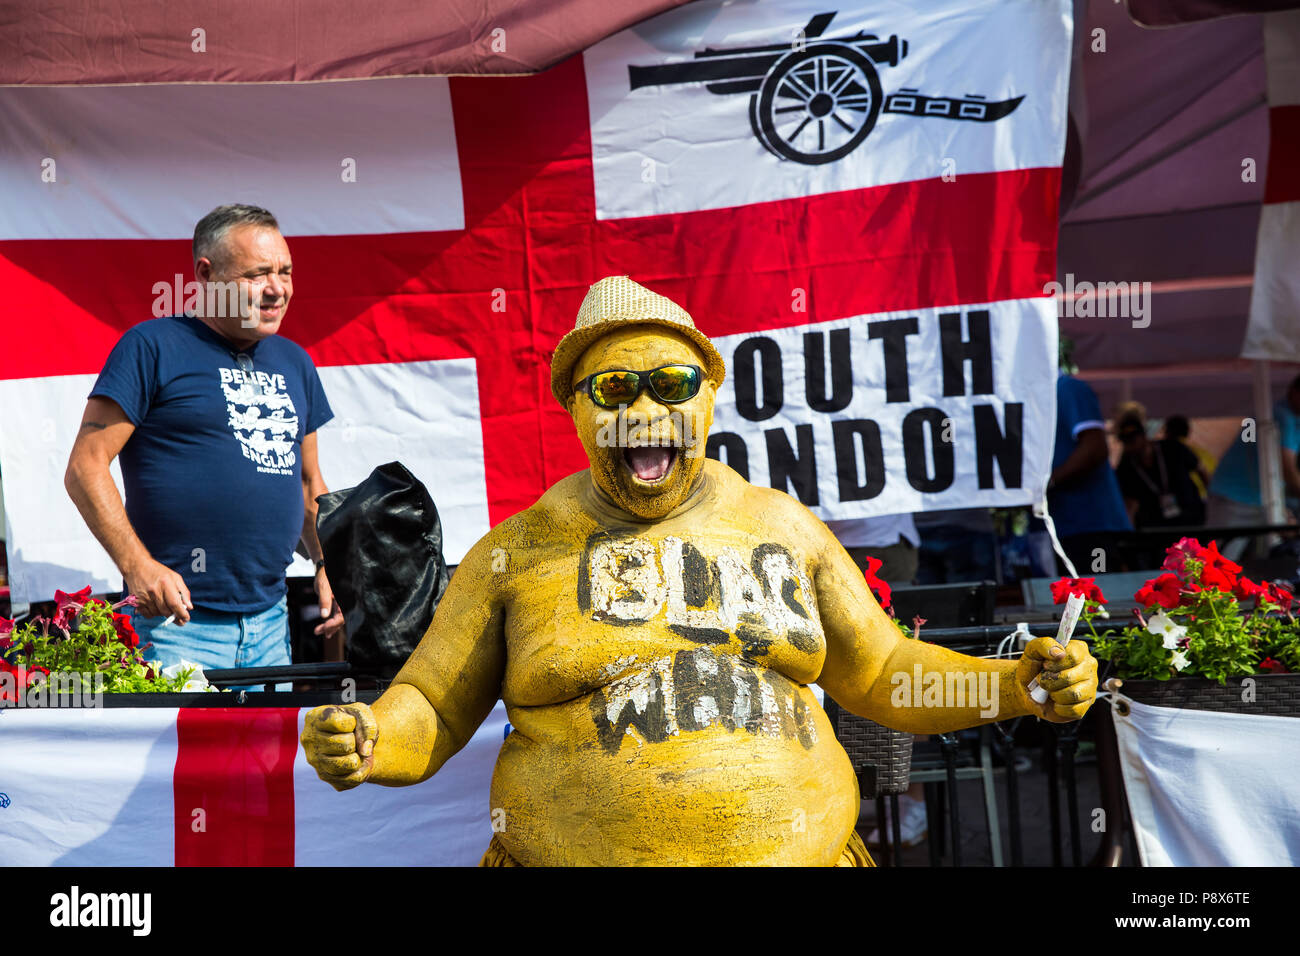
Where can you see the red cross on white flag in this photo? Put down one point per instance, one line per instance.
(859, 204)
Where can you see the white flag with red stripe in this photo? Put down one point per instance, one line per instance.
(221, 787)
(1273, 330)
(860, 205)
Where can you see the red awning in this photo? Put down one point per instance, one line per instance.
(1167, 13)
(61, 42)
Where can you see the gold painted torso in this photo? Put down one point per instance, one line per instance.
(656, 680)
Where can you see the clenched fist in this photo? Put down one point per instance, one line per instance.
(339, 740)
(1068, 674)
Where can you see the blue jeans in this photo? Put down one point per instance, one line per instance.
(217, 640)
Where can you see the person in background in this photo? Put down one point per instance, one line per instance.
(892, 539)
(214, 417)
(1083, 495)
(1179, 429)
(957, 546)
(1235, 497)
(1156, 480)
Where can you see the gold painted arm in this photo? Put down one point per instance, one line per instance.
(872, 670)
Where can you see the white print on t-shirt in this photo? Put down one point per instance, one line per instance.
(262, 417)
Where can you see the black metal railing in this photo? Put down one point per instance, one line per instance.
(332, 672)
(1059, 745)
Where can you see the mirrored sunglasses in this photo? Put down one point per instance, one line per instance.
(669, 384)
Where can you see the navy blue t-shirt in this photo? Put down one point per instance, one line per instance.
(1093, 502)
(215, 461)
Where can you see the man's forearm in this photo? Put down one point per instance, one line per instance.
(309, 513)
(1085, 457)
(92, 490)
(309, 539)
(927, 689)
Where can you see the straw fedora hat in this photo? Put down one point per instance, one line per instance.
(617, 302)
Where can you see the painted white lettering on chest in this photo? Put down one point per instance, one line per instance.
(694, 690)
(764, 594)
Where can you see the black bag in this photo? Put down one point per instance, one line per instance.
(382, 542)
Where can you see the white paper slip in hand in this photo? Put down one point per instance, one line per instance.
(1069, 618)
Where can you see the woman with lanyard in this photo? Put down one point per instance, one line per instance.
(1156, 480)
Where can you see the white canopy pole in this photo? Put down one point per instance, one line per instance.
(1270, 456)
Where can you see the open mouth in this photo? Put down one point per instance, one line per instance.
(650, 463)
(273, 311)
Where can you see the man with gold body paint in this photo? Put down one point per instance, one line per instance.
(653, 625)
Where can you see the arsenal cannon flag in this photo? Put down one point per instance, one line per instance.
(857, 202)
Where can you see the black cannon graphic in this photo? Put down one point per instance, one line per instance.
(815, 101)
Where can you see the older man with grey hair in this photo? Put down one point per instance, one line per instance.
(214, 417)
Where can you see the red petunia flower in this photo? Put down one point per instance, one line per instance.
(69, 605)
(881, 589)
(1213, 577)
(1210, 557)
(1062, 589)
(125, 631)
(1277, 667)
(1177, 554)
(79, 597)
(24, 677)
(1245, 589)
(1165, 590)
(6, 625)
(1278, 595)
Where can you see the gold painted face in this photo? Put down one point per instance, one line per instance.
(647, 456)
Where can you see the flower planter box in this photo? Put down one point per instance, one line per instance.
(1275, 694)
(1201, 768)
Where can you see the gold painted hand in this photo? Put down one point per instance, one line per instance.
(1068, 674)
(339, 740)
